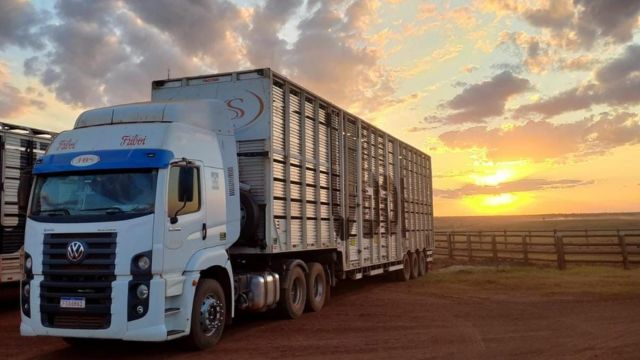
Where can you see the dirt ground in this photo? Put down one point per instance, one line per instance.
(456, 313)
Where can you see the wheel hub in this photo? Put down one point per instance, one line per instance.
(211, 315)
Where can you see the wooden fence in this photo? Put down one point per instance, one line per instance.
(561, 247)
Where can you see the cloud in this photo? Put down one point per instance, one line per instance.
(557, 15)
(577, 23)
(613, 19)
(102, 52)
(483, 100)
(618, 83)
(621, 67)
(524, 185)
(579, 63)
(18, 20)
(332, 57)
(13, 101)
(535, 50)
(542, 140)
(265, 46)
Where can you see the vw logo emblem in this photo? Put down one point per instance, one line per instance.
(75, 251)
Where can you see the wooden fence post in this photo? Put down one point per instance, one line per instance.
(559, 250)
(494, 248)
(469, 249)
(525, 249)
(623, 248)
(450, 241)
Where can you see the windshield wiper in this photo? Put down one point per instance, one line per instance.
(111, 210)
(53, 212)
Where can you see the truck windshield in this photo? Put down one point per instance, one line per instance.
(114, 195)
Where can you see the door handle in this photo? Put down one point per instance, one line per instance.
(204, 231)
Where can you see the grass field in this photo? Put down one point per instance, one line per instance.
(539, 222)
(536, 281)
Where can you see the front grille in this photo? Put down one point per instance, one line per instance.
(90, 279)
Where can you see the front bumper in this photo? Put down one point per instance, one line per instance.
(151, 327)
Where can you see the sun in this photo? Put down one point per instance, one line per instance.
(497, 204)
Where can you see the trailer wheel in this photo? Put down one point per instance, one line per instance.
(422, 262)
(207, 316)
(316, 287)
(405, 273)
(249, 218)
(415, 267)
(293, 294)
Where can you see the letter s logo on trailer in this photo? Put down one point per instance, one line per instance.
(245, 110)
(85, 160)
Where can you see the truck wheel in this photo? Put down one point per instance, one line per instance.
(422, 262)
(249, 218)
(414, 265)
(293, 294)
(208, 315)
(405, 273)
(316, 287)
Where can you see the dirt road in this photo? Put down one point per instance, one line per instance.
(448, 316)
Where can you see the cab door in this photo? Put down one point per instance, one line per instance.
(186, 216)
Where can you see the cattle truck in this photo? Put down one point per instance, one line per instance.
(231, 192)
(19, 148)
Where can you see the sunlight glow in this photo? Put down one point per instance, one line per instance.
(505, 203)
(499, 177)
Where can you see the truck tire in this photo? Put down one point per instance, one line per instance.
(208, 315)
(405, 273)
(414, 265)
(293, 294)
(422, 262)
(316, 287)
(249, 218)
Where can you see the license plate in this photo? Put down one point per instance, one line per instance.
(72, 302)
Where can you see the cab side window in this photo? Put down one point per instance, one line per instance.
(174, 203)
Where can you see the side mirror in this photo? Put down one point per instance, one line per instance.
(185, 184)
(24, 190)
(186, 176)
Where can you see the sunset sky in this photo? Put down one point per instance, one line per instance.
(526, 107)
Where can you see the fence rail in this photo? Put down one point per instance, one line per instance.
(604, 246)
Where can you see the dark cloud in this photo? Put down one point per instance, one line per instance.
(332, 56)
(542, 140)
(104, 52)
(618, 83)
(18, 24)
(613, 19)
(581, 23)
(523, 185)
(266, 47)
(209, 29)
(621, 67)
(483, 100)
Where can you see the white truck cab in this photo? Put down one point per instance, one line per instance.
(144, 197)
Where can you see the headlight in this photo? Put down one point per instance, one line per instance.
(143, 263)
(26, 291)
(142, 291)
(28, 263)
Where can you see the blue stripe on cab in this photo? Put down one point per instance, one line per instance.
(108, 160)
